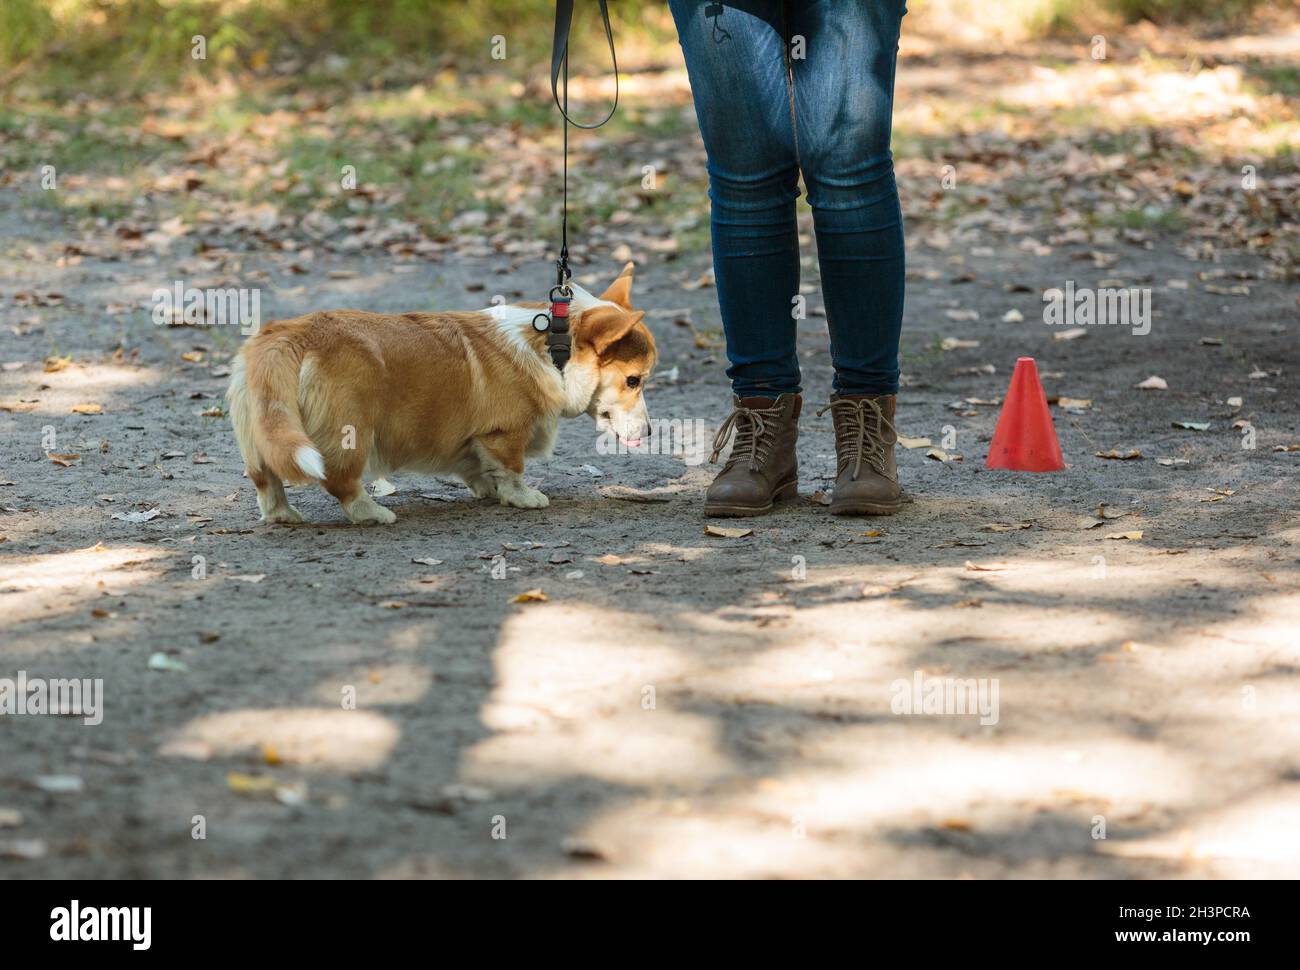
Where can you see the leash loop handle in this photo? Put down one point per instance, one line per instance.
(560, 58)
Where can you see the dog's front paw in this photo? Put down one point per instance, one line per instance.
(523, 497)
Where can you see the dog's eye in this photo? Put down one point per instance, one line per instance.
(634, 381)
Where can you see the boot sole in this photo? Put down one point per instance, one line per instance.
(784, 493)
(866, 508)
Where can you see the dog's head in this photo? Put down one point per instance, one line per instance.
(611, 339)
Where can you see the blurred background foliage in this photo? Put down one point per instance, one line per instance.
(409, 92)
(133, 41)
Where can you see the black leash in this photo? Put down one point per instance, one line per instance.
(555, 324)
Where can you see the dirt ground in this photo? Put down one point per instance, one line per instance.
(680, 704)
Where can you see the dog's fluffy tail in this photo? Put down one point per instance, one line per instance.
(263, 401)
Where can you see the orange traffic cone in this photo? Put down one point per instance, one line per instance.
(1025, 440)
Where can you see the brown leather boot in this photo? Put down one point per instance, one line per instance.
(762, 468)
(866, 480)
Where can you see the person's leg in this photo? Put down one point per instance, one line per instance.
(843, 101)
(843, 93)
(736, 58)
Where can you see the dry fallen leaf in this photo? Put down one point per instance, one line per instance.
(87, 409)
(242, 784)
(162, 662)
(914, 442)
(24, 850)
(1074, 333)
(531, 596)
(138, 516)
(940, 455)
(1006, 526)
(1193, 425)
(719, 532)
(193, 356)
(428, 562)
(55, 364)
(63, 460)
(1074, 403)
(622, 493)
(1120, 456)
(577, 848)
(987, 567)
(1153, 383)
(60, 784)
(1126, 535)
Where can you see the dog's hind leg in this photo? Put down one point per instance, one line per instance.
(502, 455)
(482, 485)
(471, 470)
(271, 499)
(346, 484)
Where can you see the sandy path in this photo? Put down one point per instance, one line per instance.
(691, 706)
(688, 705)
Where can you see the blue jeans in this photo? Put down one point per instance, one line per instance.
(784, 87)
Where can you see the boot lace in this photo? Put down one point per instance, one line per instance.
(860, 436)
(755, 430)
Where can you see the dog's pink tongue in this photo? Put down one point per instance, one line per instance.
(633, 442)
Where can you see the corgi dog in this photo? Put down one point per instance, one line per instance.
(341, 397)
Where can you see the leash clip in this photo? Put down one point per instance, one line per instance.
(555, 324)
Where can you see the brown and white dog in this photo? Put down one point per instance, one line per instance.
(342, 397)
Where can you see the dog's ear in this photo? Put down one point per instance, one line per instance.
(620, 291)
(603, 327)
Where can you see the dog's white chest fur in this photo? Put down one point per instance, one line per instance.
(577, 385)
